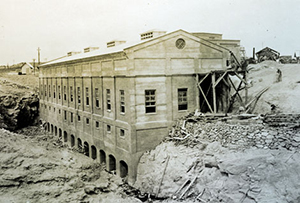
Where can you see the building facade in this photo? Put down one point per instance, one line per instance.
(119, 102)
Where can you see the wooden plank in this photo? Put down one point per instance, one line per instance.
(190, 185)
(163, 175)
(205, 98)
(213, 80)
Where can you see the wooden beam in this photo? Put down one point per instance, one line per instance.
(203, 78)
(213, 80)
(220, 78)
(225, 82)
(198, 94)
(233, 96)
(246, 88)
(206, 94)
(242, 79)
(163, 175)
(237, 92)
(205, 99)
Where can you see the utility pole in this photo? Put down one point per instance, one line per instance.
(33, 66)
(39, 55)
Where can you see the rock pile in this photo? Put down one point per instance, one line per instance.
(18, 112)
(213, 173)
(235, 136)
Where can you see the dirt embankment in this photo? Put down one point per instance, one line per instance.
(35, 167)
(19, 103)
(284, 94)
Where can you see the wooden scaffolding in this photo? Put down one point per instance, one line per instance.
(217, 92)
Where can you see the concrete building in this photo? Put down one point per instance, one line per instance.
(116, 103)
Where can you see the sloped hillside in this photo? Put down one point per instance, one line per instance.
(285, 95)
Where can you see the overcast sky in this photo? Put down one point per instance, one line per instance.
(60, 26)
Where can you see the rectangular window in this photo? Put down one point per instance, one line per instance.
(45, 88)
(122, 132)
(53, 91)
(108, 129)
(49, 90)
(59, 92)
(182, 99)
(97, 124)
(78, 95)
(87, 121)
(65, 93)
(71, 117)
(78, 118)
(108, 104)
(150, 103)
(87, 96)
(97, 98)
(59, 111)
(122, 101)
(65, 113)
(71, 93)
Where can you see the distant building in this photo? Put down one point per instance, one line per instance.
(267, 54)
(116, 103)
(27, 69)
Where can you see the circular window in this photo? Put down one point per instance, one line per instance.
(180, 43)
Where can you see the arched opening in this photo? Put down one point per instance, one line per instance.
(55, 131)
(65, 136)
(60, 133)
(79, 145)
(86, 149)
(112, 163)
(123, 169)
(48, 127)
(52, 129)
(102, 157)
(72, 140)
(45, 126)
(94, 152)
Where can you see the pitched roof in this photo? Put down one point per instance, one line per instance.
(118, 48)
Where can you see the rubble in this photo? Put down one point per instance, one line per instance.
(213, 160)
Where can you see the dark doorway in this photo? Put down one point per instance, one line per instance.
(94, 152)
(112, 163)
(102, 157)
(86, 149)
(72, 140)
(65, 136)
(123, 169)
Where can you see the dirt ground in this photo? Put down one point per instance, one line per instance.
(285, 95)
(35, 167)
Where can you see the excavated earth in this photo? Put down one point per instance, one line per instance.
(36, 167)
(19, 103)
(224, 162)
